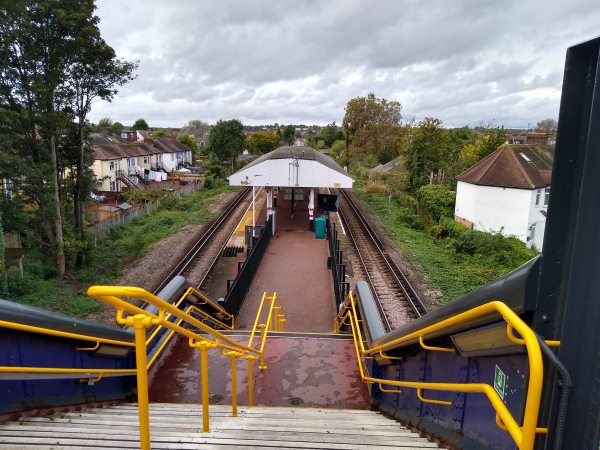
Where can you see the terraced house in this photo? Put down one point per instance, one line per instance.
(119, 164)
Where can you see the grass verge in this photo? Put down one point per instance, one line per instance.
(39, 287)
(445, 269)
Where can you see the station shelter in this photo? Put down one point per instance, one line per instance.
(292, 172)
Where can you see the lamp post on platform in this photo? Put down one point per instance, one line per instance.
(254, 203)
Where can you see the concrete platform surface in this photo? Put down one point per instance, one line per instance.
(295, 266)
(302, 371)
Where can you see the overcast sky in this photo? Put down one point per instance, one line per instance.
(300, 61)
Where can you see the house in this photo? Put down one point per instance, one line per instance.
(540, 139)
(175, 154)
(507, 192)
(142, 135)
(128, 135)
(118, 163)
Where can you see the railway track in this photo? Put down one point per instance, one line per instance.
(397, 300)
(204, 254)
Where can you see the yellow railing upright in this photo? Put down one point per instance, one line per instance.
(523, 436)
(203, 339)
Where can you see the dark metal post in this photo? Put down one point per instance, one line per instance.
(568, 306)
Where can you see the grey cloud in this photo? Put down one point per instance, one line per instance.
(301, 61)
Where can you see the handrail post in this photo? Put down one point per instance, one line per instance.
(233, 355)
(204, 346)
(140, 323)
(251, 360)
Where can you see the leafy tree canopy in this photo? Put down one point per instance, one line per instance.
(288, 134)
(426, 153)
(189, 143)
(547, 125)
(262, 142)
(117, 127)
(160, 133)
(373, 126)
(196, 128)
(105, 122)
(140, 124)
(227, 140)
(487, 143)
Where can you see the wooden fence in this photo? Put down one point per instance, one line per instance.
(102, 228)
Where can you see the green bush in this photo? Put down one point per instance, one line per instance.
(436, 200)
(451, 228)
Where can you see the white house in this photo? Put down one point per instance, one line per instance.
(175, 155)
(507, 192)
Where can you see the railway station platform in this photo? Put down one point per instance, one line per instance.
(294, 266)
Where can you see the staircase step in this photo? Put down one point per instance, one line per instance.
(176, 426)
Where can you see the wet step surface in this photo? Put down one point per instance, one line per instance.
(303, 370)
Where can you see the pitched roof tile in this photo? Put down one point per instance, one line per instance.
(518, 166)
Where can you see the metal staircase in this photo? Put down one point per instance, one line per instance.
(180, 426)
(121, 175)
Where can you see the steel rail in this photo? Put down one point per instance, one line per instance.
(218, 255)
(189, 257)
(378, 303)
(408, 292)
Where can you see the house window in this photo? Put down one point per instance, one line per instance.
(124, 135)
(146, 160)
(538, 197)
(172, 156)
(113, 186)
(531, 232)
(131, 162)
(546, 196)
(112, 166)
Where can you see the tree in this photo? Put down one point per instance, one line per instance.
(105, 122)
(117, 127)
(330, 133)
(487, 143)
(3, 287)
(338, 147)
(547, 125)
(51, 54)
(160, 133)
(227, 140)
(189, 143)
(196, 128)
(426, 154)
(140, 124)
(262, 142)
(289, 134)
(373, 127)
(95, 74)
(457, 139)
(38, 40)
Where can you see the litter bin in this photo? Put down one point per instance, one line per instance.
(320, 227)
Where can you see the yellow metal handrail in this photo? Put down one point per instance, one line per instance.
(274, 322)
(97, 372)
(523, 436)
(190, 309)
(140, 320)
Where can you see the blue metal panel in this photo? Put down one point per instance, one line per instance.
(24, 349)
(470, 422)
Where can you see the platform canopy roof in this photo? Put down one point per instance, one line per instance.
(292, 166)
